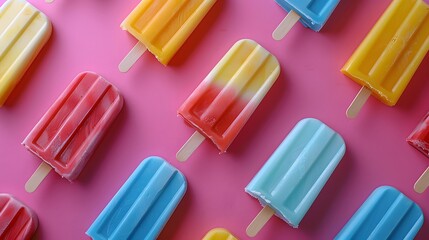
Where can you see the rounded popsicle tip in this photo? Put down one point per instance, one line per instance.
(37, 177)
(351, 113)
(418, 188)
(423, 182)
(190, 146)
(259, 221)
(277, 36)
(358, 102)
(286, 25)
(251, 232)
(29, 187)
(136, 52)
(123, 68)
(181, 156)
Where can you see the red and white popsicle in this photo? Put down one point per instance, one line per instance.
(221, 105)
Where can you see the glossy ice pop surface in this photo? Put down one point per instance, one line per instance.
(292, 178)
(143, 205)
(17, 221)
(164, 25)
(386, 214)
(71, 129)
(419, 138)
(387, 59)
(313, 13)
(221, 105)
(24, 30)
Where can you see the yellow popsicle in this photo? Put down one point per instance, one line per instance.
(219, 234)
(390, 54)
(164, 25)
(24, 30)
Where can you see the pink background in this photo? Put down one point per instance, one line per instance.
(86, 36)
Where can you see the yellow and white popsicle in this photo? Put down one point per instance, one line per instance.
(224, 101)
(24, 30)
(162, 26)
(390, 54)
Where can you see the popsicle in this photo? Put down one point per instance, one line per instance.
(224, 101)
(143, 205)
(294, 175)
(24, 30)
(419, 139)
(312, 14)
(386, 214)
(74, 125)
(387, 59)
(17, 221)
(219, 234)
(162, 27)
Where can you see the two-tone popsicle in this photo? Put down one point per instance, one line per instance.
(24, 30)
(292, 178)
(72, 128)
(389, 56)
(143, 205)
(386, 214)
(162, 27)
(419, 139)
(312, 14)
(221, 105)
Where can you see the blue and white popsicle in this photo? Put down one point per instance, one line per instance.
(294, 175)
(143, 205)
(386, 214)
(312, 13)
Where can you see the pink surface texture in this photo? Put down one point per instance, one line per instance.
(87, 37)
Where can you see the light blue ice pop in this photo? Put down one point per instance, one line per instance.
(294, 175)
(143, 205)
(312, 13)
(386, 214)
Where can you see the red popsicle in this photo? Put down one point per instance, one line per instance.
(419, 139)
(17, 221)
(71, 129)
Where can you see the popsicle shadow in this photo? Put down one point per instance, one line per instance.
(101, 151)
(175, 221)
(424, 231)
(24, 83)
(342, 15)
(256, 123)
(416, 89)
(37, 235)
(199, 33)
(324, 203)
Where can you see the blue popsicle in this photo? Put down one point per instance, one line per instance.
(312, 13)
(143, 205)
(294, 175)
(386, 214)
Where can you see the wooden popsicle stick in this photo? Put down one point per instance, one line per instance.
(259, 221)
(358, 102)
(423, 182)
(286, 25)
(49, 1)
(37, 177)
(132, 57)
(189, 147)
